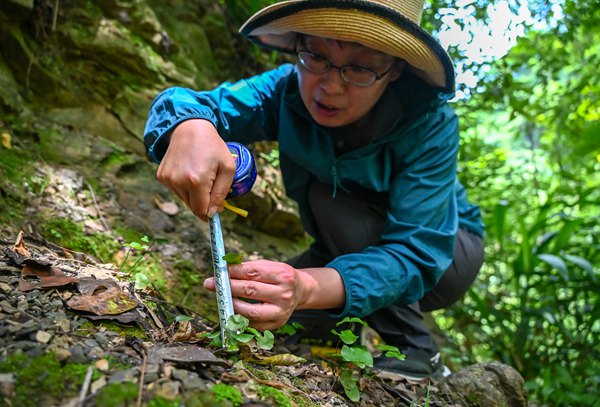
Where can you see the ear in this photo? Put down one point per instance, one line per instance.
(397, 69)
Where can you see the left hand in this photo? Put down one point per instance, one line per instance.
(278, 288)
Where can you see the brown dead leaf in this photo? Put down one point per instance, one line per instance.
(36, 275)
(104, 299)
(168, 207)
(19, 246)
(282, 359)
(185, 332)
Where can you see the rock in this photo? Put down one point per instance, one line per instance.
(490, 384)
(189, 380)
(43, 337)
(7, 385)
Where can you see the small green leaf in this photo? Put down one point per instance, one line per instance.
(145, 239)
(215, 338)
(244, 338)
(183, 318)
(266, 340)
(360, 357)
(234, 258)
(347, 336)
(289, 329)
(352, 320)
(557, 263)
(237, 322)
(391, 351)
(349, 382)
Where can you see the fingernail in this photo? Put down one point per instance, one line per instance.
(212, 211)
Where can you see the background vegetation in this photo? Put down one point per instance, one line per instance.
(530, 154)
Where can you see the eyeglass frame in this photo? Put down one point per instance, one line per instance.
(376, 76)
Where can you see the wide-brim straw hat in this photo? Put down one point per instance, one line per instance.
(389, 26)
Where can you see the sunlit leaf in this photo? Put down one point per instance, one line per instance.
(237, 322)
(555, 262)
(360, 357)
(234, 258)
(352, 320)
(347, 336)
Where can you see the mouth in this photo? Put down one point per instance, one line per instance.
(326, 107)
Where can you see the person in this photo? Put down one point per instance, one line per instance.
(368, 148)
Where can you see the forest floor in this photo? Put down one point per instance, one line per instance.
(76, 332)
(93, 312)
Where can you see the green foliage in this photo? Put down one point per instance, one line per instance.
(530, 158)
(234, 258)
(42, 380)
(273, 396)
(117, 395)
(71, 235)
(224, 392)
(239, 331)
(356, 358)
(141, 265)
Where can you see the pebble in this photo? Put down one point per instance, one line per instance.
(5, 288)
(43, 337)
(102, 365)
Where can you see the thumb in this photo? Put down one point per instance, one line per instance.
(221, 187)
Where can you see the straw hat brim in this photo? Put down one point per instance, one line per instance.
(370, 24)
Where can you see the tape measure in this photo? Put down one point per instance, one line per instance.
(243, 179)
(245, 169)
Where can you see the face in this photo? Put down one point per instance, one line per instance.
(331, 101)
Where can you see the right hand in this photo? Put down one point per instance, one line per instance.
(198, 167)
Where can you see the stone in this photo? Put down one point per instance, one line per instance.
(490, 384)
(43, 337)
(189, 380)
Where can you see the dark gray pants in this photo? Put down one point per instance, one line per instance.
(348, 224)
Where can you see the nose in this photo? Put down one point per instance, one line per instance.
(332, 81)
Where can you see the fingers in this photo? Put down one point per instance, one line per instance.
(262, 315)
(198, 167)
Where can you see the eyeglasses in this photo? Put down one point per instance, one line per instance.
(356, 75)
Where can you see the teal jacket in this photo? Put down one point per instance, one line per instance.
(411, 161)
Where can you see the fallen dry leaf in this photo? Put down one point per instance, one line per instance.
(35, 275)
(20, 247)
(282, 359)
(106, 298)
(185, 332)
(168, 207)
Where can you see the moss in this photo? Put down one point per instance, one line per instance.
(43, 380)
(117, 395)
(122, 330)
(71, 235)
(16, 180)
(161, 402)
(274, 396)
(224, 391)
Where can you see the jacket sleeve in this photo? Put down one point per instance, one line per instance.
(245, 111)
(417, 244)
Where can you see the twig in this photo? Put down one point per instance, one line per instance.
(156, 320)
(106, 228)
(54, 15)
(86, 385)
(141, 385)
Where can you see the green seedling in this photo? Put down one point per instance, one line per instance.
(240, 332)
(356, 358)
